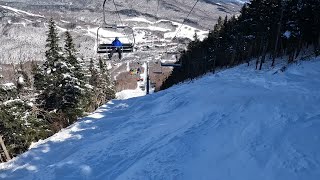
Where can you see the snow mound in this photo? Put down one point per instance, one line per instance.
(238, 124)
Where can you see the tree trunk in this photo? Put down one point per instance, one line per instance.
(257, 62)
(214, 65)
(249, 54)
(317, 47)
(260, 51)
(232, 58)
(291, 57)
(264, 53)
(4, 149)
(277, 38)
(299, 47)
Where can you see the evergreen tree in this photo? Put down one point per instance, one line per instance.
(105, 83)
(19, 124)
(77, 65)
(70, 93)
(48, 74)
(94, 76)
(275, 27)
(70, 82)
(61, 90)
(70, 54)
(39, 76)
(53, 52)
(103, 88)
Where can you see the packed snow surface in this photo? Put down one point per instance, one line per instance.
(130, 93)
(237, 124)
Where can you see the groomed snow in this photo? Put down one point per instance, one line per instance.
(131, 93)
(237, 124)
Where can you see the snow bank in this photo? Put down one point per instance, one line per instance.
(237, 124)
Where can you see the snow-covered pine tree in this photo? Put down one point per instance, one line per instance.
(78, 67)
(8, 92)
(69, 92)
(53, 52)
(103, 88)
(48, 86)
(59, 89)
(106, 84)
(64, 91)
(70, 81)
(92, 102)
(70, 54)
(23, 81)
(93, 81)
(19, 124)
(39, 76)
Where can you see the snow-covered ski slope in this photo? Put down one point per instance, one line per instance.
(20, 11)
(130, 93)
(237, 124)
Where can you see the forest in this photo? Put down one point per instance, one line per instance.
(61, 89)
(264, 30)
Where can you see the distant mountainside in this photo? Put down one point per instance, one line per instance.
(205, 11)
(23, 32)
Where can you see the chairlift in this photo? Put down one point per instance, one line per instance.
(172, 52)
(153, 84)
(104, 43)
(177, 55)
(158, 71)
(142, 87)
(171, 65)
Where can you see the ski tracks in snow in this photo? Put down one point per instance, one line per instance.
(238, 124)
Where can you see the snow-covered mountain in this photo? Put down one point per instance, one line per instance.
(23, 22)
(237, 124)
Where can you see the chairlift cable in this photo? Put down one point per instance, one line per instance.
(183, 23)
(117, 11)
(158, 4)
(115, 6)
(157, 8)
(184, 20)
